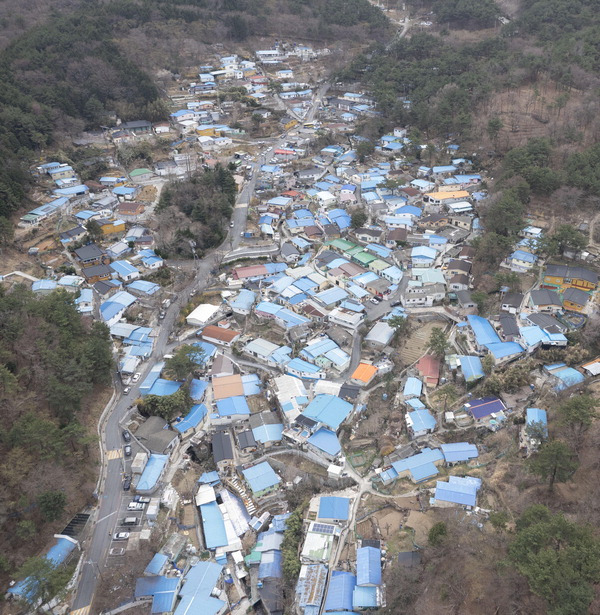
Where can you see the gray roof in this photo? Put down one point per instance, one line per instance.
(464, 297)
(543, 296)
(154, 436)
(288, 249)
(508, 323)
(88, 252)
(221, 446)
(576, 295)
(512, 299)
(96, 270)
(570, 273)
(246, 439)
(547, 322)
(264, 418)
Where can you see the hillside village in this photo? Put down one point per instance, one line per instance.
(341, 350)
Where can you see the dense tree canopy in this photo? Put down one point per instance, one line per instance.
(560, 559)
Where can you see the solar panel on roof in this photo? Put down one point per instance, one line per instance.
(322, 528)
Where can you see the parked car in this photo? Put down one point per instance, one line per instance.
(141, 498)
(136, 377)
(395, 303)
(127, 450)
(135, 506)
(161, 315)
(117, 551)
(126, 436)
(126, 484)
(231, 224)
(126, 390)
(121, 536)
(375, 300)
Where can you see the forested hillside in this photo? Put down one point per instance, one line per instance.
(196, 210)
(72, 69)
(52, 365)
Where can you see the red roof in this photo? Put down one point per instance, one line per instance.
(429, 368)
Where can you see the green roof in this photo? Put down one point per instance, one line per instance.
(352, 251)
(137, 172)
(378, 265)
(341, 244)
(364, 258)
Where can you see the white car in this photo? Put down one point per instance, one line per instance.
(136, 377)
(135, 506)
(121, 536)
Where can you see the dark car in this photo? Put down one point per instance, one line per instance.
(396, 304)
(126, 436)
(126, 484)
(127, 450)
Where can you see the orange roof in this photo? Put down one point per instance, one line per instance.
(227, 386)
(219, 333)
(458, 194)
(365, 372)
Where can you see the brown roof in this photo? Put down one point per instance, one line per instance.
(220, 334)
(410, 191)
(227, 386)
(397, 234)
(131, 209)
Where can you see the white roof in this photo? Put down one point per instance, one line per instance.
(202, 314)
(327, 387)
(205, 494)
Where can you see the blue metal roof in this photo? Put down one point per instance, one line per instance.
(162, 387)
(199, 583)
(162, 589)
(364, 597)
(123, 268)
(267, 433)
(331, 507)
(422, 420)
(270, 565)
(143, 286)
(483, 330)
(326, 440)
(339, 593)
(421, 466)
(328, 409)
(368, 566)
(536, 415)
(213, 525)
(568, 377)
(156, 564)
(459, 451)
(458, 490)
(192, 419)
(485, 406)
(471, 367)
(505, 349)
(152, 472)
(261, 477)
(197, 389)
(232, 405)
(412, 387)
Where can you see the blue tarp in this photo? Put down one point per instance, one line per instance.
(270, 565)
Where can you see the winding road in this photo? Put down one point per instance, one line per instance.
(110, 492)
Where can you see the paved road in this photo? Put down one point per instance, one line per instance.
(111, 492)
